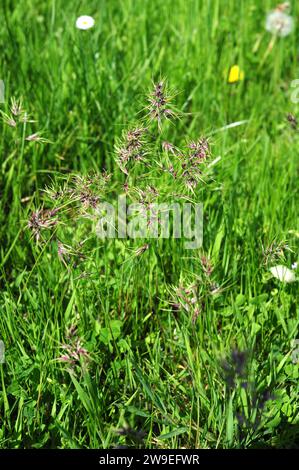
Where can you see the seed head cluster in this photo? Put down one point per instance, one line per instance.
(131, 148)
(159, 104)
(192, 161)
(41, 220)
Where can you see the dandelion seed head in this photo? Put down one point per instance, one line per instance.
(279, 23)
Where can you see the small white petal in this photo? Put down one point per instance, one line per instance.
(283, 273)
(84, 22)
(294, 265)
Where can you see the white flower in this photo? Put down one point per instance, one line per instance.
(283, 273)
(279, 23)
(84, 22)
(294, 265)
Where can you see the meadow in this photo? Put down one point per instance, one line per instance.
(142, 342)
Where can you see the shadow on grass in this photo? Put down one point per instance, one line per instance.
(286, 437)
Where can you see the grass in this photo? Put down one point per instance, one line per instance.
(157, 369)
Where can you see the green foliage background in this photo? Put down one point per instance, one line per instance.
(152, 368)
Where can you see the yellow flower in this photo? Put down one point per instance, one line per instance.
(235, 74)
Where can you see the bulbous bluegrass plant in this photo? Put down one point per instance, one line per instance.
(154, 171)
(149, 170)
